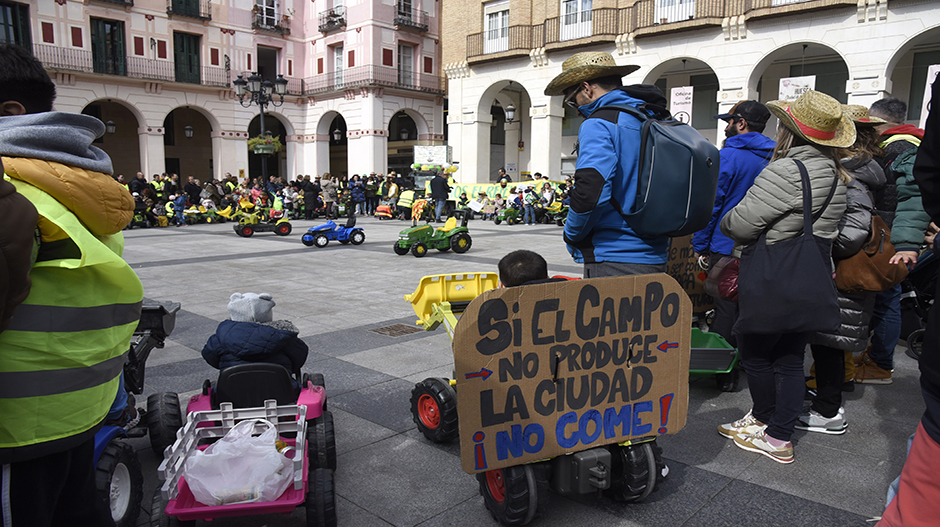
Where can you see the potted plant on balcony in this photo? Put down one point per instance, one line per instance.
(265, 144)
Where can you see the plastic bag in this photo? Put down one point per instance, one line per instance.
(722, 280)
(239, 468)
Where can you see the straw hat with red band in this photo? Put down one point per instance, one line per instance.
(859, 115)
(817, 118)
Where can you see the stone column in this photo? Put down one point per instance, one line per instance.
(545, 143)
(152, 153)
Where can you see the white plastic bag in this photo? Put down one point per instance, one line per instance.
(239, 468)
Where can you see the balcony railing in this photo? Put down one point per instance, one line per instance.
(384, 76)
(601, 22)
(668, 11)
(512, 38)
(272, 24)
(332, 19)
(192, 8)
(409, 17)
(118, 2)
(80, 60)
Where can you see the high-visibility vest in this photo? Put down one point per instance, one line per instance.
(913, 139)
(65, 348)
(406, 199)
(169, 209)
(158, 187)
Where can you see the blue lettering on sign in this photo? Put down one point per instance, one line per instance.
(563, 421)
(592, 423)
(584, 423)
(639, 428)
(612, 418)
(517, 441)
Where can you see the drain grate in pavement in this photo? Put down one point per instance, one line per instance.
(396, 330)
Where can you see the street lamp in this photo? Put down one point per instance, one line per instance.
(403, 134)
(510, 113)
(110, 127)
(337, 135)
(188, 131)
(261, 93)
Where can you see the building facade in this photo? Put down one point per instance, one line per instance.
(363, 81)
(502, 53)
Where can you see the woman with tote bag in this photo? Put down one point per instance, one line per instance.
(783, 228)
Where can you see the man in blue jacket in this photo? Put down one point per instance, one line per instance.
(745, 153)
(606, 174)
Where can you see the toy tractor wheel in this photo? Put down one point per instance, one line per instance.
(419, 250)
(510, 494)
(164, 418)
(283, 229)
(158, 517)
(510, 221)
(308, 240)
(461, 243)
(497, 221)
(120, 482)
(638, 470)
(321, 442)
(560, 222)
(357, 238)
(320, 240)
(246, 231)
(399, 250)
(915, 344)
(434, 409)
(321, 502)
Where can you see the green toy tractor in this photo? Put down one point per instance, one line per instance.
(510, 215)
(419, 239)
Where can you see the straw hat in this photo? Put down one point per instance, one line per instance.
(859, 114)
(817, 118)
(584, 67)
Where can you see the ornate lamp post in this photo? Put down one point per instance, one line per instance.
(261, 93)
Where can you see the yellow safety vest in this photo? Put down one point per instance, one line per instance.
(62, 356)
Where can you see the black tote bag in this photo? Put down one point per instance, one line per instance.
(788, 287)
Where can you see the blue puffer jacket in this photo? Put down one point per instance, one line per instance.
(742, 158)
(607, 167)
(246, 342)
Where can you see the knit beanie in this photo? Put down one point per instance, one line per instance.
(251, 307)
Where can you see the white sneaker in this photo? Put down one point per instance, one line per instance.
(812, 421)
(745, 425)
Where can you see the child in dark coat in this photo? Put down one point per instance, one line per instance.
(253, 336)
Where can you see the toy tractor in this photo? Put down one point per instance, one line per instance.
(556, 213)
(419, 239)
(322, 234)
(510, 215)
(249, 222)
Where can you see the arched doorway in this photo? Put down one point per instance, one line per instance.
(402, 136)
(907, 71)
(339, 150)
(823, 67)
(122, 142)
(187, 143)
(508, 104)
(276, 164)
(677, 73)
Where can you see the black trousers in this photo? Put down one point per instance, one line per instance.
(57, 490)
(830, 374)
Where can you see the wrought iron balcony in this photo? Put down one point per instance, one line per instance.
(200, 9)
(272, 24)
(380, 76)
(332, 19)
(408, 17)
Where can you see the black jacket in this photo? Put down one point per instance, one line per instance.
(439, 188)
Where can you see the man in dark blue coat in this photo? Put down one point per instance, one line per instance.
(745, 153)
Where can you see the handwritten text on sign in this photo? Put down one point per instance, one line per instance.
(547, 369)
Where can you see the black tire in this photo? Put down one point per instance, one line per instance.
(283, 229)
(419, 250)
(461, 242)
(510, 221)
(637, 469)
(357, 238)
(321, 502)
(399, 250)
(246, 231)
(164, 418)
(320, 240)
(119, 482)
(560, 222)
(510, 494)
(321, 442)
(158, 517)
(497, 221)
(308, 243)
(727, 382)
(915, 344)
(434, 409)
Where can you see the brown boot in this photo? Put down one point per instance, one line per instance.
(861, 357)
(871, 373)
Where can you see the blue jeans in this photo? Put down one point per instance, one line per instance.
(529, 213)
(120, 401)
(438, 209)
(886, 327)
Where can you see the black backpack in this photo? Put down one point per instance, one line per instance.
(678, 169)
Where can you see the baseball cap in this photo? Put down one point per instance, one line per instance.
(750, 111)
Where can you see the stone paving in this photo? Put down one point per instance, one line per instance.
(389, 474)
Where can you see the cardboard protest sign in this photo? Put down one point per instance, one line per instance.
(548, 369)
(682, 265)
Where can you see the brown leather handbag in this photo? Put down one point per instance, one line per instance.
(869, 269)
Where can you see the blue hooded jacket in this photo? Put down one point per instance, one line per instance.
(743, 157)
(607, 168)
(245, 342)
